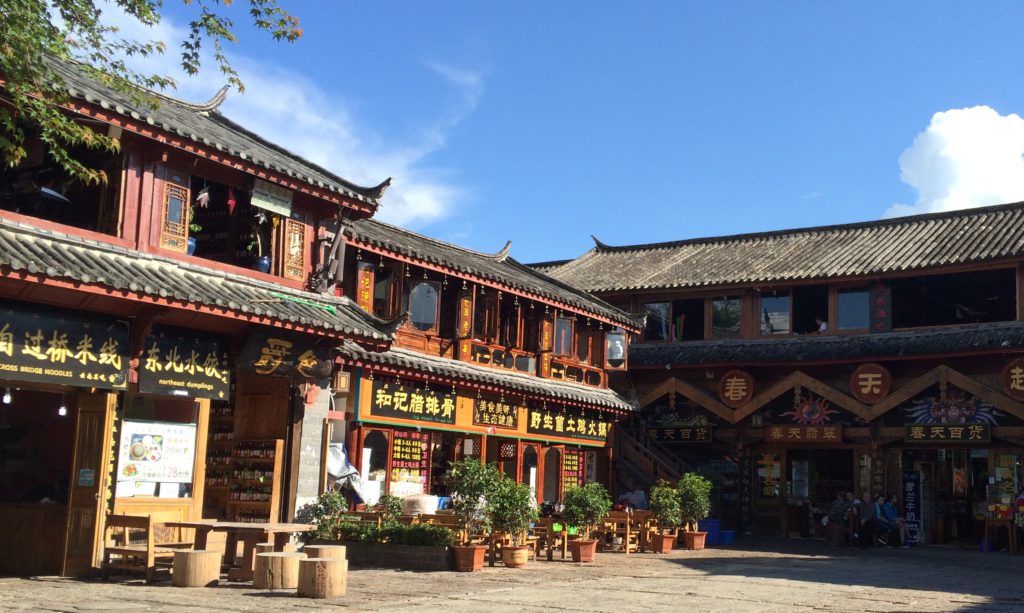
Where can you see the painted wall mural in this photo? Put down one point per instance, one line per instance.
(956, 408)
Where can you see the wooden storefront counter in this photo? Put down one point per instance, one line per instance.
(33, 538)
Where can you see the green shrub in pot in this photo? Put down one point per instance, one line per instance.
(585, 506)
(512, 509)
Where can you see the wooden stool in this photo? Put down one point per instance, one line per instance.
(323, 577)
(269, 548)
(325, 551)
(196, 568)
(277, 570)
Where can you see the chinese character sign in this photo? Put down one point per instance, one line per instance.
(275, 353)
(695, 434)
(552, 423)
(156, 452)
(501, 413)
(912, 511)
(179, 362)
(410, 462)
(969, 434)
(364, 286)
(410, 402)
(736, 388)
(572, 469)
(870, 383)
(1013, 379)
(881, 307)
(803, 434)
(44, 346)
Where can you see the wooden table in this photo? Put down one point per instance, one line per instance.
(251, 534)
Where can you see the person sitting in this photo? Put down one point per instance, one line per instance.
(883, 526)
(867, 521)
(889, 511)
(822, 325)
(835, 532)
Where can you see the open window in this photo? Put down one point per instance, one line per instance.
(810, 302)
(589, 346)
(659, 321)
(688, 319)
(960, 298)
(775, 314)
(485, 318)
(385, 283)
(531, 328)
(39, 187)
(509, 332)
(726, 317)
(563, 345)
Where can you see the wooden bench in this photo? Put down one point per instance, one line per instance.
(548, 538)
(619, 525)
(131, 545)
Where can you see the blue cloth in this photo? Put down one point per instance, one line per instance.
(889, 511)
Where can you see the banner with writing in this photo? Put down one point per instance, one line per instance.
(410, 462)
(63, 347)
(550, 423)
(180, 363)
(276, 353)
(695, 434)
(489, 412)
(974, 434)
(410, 402)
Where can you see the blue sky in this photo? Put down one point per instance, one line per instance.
(546, 122)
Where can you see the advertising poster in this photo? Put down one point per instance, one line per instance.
(912, 505)
(156, 452)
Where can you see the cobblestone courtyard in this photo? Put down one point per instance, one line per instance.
(770, 576)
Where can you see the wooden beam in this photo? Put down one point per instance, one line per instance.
(828, 392)
(780, 387)
(704, 399)
(985, 392)
(660, 390)
(905, 393)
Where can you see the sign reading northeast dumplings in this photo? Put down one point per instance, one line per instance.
(156, 452)
(44, 346)
(408, 402)
(181, 364)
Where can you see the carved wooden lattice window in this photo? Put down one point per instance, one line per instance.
(294, 250)
(174, 231)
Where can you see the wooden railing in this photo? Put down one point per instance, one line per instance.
(648, 458)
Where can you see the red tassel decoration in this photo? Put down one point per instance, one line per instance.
(231, 201)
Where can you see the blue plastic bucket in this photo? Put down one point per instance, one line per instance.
(986, 545)
(727, 537)
(711, 526)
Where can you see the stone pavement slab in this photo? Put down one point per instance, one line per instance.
(791, 576)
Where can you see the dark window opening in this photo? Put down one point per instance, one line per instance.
(485, 318)
(775, 314)
(225, 227)
(688, 319)
(531, 328)
(508, 316)
(563, 336)
(423, 299)
(449, 311)
(962, 298)
(659, 321)
(383, 292)
(852, 309)
(726, 317)
(40, 188)
(589, 345)
(810, 302)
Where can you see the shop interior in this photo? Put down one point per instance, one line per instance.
(815, 476)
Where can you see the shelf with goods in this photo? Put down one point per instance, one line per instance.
(219, 446)
(255, 480)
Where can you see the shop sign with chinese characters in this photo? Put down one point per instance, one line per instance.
(409, 402)
(695, 434)
(968, 434)
(179, 363)
(410, 462)
(736, 388)
(1013, 379)
(870, 383)
(277, 354)
(804, 434)
(43, 346)
(572, 469)
(550, 423)
(499, 413)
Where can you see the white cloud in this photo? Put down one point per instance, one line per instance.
(304, 118)
(965, 158)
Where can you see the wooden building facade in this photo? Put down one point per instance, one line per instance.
(163, 345)
(878, 358)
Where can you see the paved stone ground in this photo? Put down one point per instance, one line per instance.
(761, 576)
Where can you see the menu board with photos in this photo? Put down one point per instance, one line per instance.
(156, 452)
(410, 462)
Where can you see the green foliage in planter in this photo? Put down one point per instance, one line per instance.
(390, 507)
(512, 509)
(418, 535)
(471, 484)
(665, 505)
(358, 533)
(694, 498)
(324, 513)
(585, 506)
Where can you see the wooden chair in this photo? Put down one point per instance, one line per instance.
(362, 517)
(547, 538)
(645, 524)
(131, 544)
(619, 525)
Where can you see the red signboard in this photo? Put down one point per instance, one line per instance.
(870, 383)
(736, 388)
(1013, 379)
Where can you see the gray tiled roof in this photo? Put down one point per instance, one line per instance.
(975, 338)
(455, 370)
(851, 250)
(207, 126)
(499, 267)
(61, 256)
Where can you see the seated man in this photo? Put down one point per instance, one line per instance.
(883, 526)
(897, 522)
(867, 520)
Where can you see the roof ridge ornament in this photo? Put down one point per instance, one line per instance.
(206, 108)
(379, 189)
(503, 254)
(598, 243)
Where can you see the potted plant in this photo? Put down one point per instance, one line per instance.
(584, 507)
(390, 507)
(695, 504)
(664, 503)
(512, 511)
(471, 484)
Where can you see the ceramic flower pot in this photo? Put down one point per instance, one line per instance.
(663, 543)
(514, 557)
(191, 248)
(469, 558)
(695, 540)
(583, 550)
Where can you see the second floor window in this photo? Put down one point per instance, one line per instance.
(485, 318)
(563, 336)
(775, 314)
(383, 292)
(615, 350)
(726, 317)
(852, 309)
(423, 301)
(659, 321)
